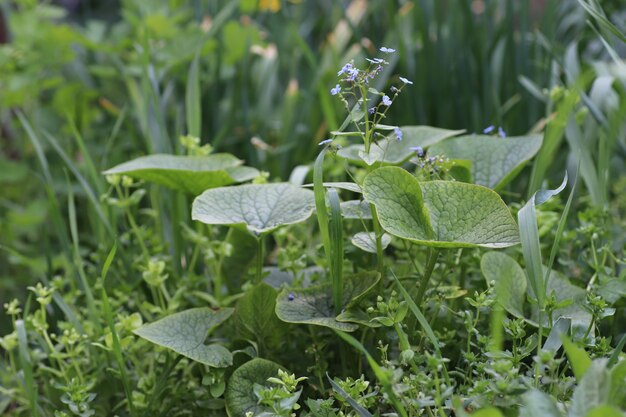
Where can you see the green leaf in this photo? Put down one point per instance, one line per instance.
(356, 209)
(592, 391)
(314, 305)
(362, 411)
(259, 208)
(185, 333)
(579, 360)
(488, 412)
(538, 404)
(494, 160)
(367, 241)
(604, 411)
(439, 213)
(394, 152)
(418, 315)
(529, 235)
(617, 395)
(240, 397)
(191, 174)
(193, 100)
(256, 319)
(510, 281)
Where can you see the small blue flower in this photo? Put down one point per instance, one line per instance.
(501, 132)
(352, 74)
(386, 100)
(344, 70)
(418, 150)
(488, 129)
(375, 60)
(387, 50)
(291, 296)
(325, 142)
(398, 133)
(336, 90)
(371, 110)
(404, 80)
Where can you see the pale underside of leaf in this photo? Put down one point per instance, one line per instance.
(366, 241)
(260, 208)
(185, 333)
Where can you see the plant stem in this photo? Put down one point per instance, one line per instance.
(259, 259)
(378, 233)
(433, 254)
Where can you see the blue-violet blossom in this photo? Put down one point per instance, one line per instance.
(398, 133)
(336, 90)
(386, 100)
(418, 150)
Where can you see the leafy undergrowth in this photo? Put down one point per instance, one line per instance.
(407, 271)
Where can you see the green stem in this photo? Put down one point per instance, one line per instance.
(433, 254)
(259, 259)
(378, 233)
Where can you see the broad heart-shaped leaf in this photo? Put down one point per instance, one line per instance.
(510, 281)
(191, 174)
(240, 397)
(314, 305)
(366, 241)
(185, 332)
(494, 160)
(442, 214)
(259, 208)
(395, 152)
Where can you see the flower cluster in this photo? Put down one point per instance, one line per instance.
(354, 90)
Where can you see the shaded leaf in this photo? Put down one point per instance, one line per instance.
(240, 397)
(592, 391)
(538, 404)
(255, 316)
(314, 305)
(509, 278)
(356, 209)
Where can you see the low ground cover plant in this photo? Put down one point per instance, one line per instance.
(409, 270)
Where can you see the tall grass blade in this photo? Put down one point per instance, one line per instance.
(117, 347)
(83, 182)
(362, 411)
(27, 367)
(320, 206)
(529, 237)
(193, 104)
(336, 239)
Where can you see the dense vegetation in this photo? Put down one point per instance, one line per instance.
(313, 208)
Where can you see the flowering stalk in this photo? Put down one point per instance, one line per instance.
(354, 85)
